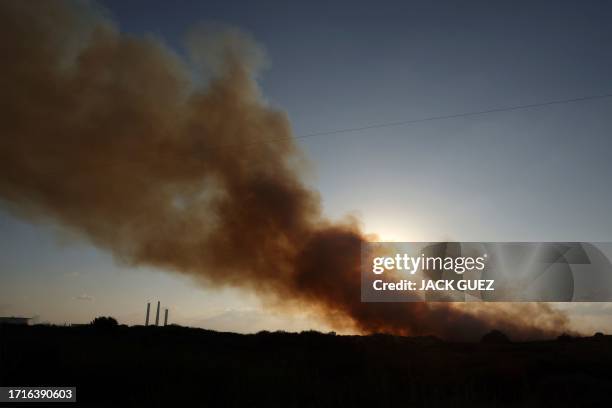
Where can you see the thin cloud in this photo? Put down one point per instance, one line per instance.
(85, 297)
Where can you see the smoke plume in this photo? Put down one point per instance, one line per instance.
(177, 163)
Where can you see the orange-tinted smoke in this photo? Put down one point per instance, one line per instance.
(119, 139)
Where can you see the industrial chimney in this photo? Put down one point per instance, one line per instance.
(166, 317)
(148, 309)
(157, 315)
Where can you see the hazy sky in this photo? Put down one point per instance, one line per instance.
(539, 174)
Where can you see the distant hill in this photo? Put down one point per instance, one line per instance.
(178, 366)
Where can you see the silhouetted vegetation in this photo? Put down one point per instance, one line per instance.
(178, 366)
(495, 337)
(104, 322)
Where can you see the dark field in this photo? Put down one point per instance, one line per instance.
(177, 366)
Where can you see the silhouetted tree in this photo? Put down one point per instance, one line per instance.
(104, 322)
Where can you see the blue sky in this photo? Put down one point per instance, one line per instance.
(539, 174)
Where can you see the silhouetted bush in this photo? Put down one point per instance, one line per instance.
(495, 337)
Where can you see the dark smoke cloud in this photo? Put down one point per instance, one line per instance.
(115, 138)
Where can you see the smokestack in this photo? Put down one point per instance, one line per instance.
(148, 309)
(166, 317)
(157, 315)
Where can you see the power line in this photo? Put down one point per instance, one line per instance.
(453, 116)
(254, 143)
